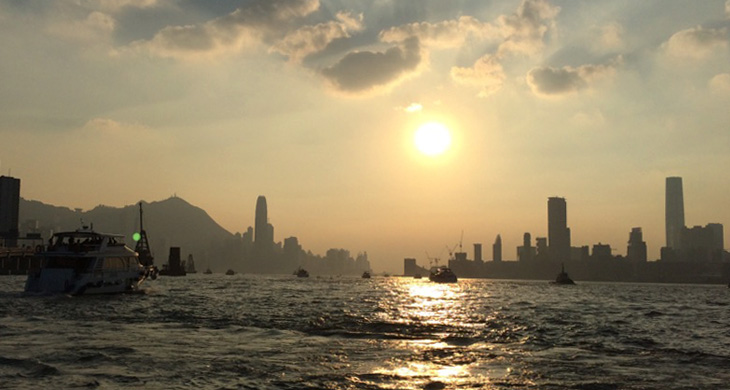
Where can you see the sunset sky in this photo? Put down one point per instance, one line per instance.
(315, 104)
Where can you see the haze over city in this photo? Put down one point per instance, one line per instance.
(316, 105)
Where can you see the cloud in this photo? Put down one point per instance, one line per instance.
(445, 34)
(487, 74)
(524, 30)
(548, 81)
(609, 37)
(413, 107)
(366, 71)
(720, 84)
(307, 40)
(115, 5)
(696, 43)
(259, 21)
(727, 9)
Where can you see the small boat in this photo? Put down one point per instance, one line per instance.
(417, 276)
(208, 271)
(88, 262)
(230, 272)
(301, 273)
(442, 275)
(563, 277)
(366, 275)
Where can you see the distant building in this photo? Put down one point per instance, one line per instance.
(674, 212)
(478, 253)
(9, 210)
(702, 244)
(497, 249)
(636, 250)
(601, 252)
(526, 252)
(558, 231)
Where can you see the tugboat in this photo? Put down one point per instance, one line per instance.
(301, 273)
(88, 262)
(563, 277)
(442, 274)
(366, 275)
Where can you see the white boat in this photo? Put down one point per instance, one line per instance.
(88, 262)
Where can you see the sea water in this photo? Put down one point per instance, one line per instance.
(341, 332)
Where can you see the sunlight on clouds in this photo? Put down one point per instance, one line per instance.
(609, 37)
(548, 81)
(487, 74)
(696, 43)
(308, 40)
(720, 84)
(414, 107)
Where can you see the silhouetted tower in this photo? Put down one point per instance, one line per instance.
(143, 246)
(637, 247)
(262, 219)
(478, 253)
(497, 249)
(526, 252)
(674, 215)
(9, 210)
(558, 231)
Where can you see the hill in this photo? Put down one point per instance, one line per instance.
(170, 222)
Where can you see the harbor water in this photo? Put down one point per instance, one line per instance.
(282, 332)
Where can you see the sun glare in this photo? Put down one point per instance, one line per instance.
(432, 139)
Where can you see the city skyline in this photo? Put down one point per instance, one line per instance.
(316, 104)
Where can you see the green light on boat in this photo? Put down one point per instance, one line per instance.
(136, 236)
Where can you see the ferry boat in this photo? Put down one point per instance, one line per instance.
(442, 274)
(88, 262)
(366, 275)
(301, 273)
(563, 277)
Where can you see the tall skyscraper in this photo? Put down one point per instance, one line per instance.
(261, 219)
(497, 249)
(674, 212)
(558, 231)
(478, 253)
(9, 210)
(637, 247)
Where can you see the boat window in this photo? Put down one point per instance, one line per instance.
(79, 264)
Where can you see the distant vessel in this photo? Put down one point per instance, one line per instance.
(208, 271)
(417, 276)
(563, 277)
(87, 262)
(143, 245)
(366, 275)
(442, 274)
(230, 272)
(301, 273)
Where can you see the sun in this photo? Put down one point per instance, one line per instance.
(432, 139)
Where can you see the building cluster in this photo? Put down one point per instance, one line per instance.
(260, 253)
(694, 252)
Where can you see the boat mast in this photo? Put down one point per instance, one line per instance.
(143, 246)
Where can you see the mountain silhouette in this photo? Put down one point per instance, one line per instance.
(170, 222)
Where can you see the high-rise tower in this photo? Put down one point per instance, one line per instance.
(261, 225)
(9, 206)
(497, 249)
(558, 231)
(674, 212)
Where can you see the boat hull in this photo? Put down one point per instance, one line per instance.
(66, 281)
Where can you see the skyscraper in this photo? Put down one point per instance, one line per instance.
(674, 212)
(637, 247)
(497, 249)
(9, 209)
(558, 231)
(263, 233)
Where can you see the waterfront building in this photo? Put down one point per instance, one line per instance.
(674, 212)
(558, 231)
(478, 253)
(636, 250)
(526, 252)
(9, 210)
(497, 249)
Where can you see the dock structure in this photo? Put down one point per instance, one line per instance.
(18, 261)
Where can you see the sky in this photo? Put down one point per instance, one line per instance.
(314, 104)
